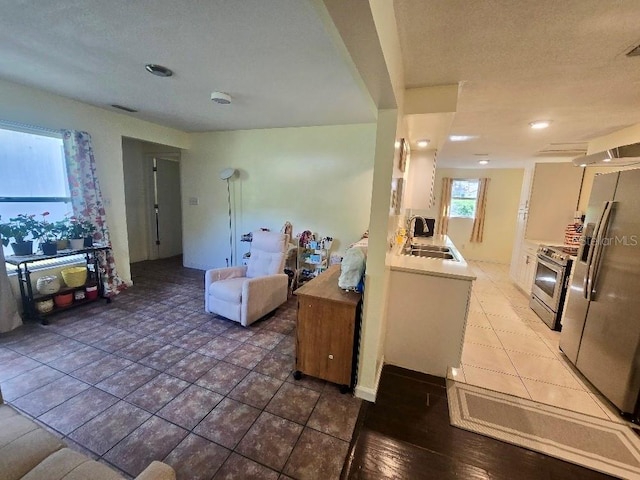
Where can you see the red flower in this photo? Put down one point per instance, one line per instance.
(44, 214)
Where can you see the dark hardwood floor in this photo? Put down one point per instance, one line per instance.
(406, 435)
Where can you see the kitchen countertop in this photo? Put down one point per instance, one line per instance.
(438, 267)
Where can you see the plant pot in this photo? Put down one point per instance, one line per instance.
(88, 241)
(62, 244)
(50, 248)
(22, 248)
(77, 243)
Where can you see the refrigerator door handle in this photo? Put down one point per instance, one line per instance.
(595, 261)
(586, 287)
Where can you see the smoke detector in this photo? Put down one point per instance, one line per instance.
(221, 98)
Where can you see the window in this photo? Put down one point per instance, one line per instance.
(463, 198)
(34, 175)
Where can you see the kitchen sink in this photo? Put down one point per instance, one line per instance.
(430, 248)
(429, 251)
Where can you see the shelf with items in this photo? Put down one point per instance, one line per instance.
(313, 259)
(38, 305)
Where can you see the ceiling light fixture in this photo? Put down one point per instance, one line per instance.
(460, 138)
(422, 143)
(540, 124)
(483, 162)
(221, 98)
(158, 70)
(583, 165)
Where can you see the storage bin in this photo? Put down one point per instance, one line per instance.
(63, 299)
(74, 276)
(44, 306)
(92, 292)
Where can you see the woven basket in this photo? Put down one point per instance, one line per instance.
(74, 276)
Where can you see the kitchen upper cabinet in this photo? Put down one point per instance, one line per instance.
(420, 180)
(553, 201)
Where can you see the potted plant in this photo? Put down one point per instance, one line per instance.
(46, 234)
(80, 233)
(61, 229)
(19, 228)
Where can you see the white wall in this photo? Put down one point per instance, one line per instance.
(136, 200)
(36, 107)
(500, 222)
(318, 178)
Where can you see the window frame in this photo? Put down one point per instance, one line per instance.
(475, 199)
(43, 132)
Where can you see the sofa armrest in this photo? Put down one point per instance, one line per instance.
(216, 274)
(157, 471)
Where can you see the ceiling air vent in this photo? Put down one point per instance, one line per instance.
(634, 52)
(569, 149)
(126, 109)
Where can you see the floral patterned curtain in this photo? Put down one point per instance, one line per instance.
(86, 200)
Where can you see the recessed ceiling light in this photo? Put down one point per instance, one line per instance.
(483, 162)
(158, 70)
(460, 138)
(540, 124)
(422, 143)
(221, 98)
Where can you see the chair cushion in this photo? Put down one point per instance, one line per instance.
(263, 263)
(229, 290)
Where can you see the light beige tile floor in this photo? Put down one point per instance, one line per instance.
(507, 348)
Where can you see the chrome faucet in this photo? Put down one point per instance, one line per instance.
(410, 221)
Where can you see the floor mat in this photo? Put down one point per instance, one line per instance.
(592, 442)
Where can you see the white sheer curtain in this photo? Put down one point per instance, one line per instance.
(477, 232)
(9, 317)
(445, 206)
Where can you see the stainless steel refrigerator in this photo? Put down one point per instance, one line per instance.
(601, 327)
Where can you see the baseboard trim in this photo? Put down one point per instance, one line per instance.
(368, 393)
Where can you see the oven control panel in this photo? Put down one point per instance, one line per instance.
(553, 254)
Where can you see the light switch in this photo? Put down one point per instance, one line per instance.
(194, 201)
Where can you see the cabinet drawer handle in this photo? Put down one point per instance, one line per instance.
(330, 357)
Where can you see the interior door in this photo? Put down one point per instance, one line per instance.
(609, 354)
(168, 208)
(603, 190)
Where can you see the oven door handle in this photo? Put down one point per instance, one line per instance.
(592, 272)
(551, 265)
(586, 282)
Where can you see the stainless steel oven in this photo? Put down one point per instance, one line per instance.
(550, 285)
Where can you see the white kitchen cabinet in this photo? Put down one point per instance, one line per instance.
(553, 201)
(419, 194)
(521, 224)
(548, 201)
(527, 267)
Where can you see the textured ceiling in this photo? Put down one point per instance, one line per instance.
(519, 61)
(274, 57)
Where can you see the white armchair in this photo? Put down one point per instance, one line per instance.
(245, 294)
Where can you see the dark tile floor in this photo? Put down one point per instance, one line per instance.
(151, 376)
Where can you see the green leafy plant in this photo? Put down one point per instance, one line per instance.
(19, 228)
(80, 228)
(45, 231)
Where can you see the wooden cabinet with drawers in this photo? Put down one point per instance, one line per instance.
(327, 330)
